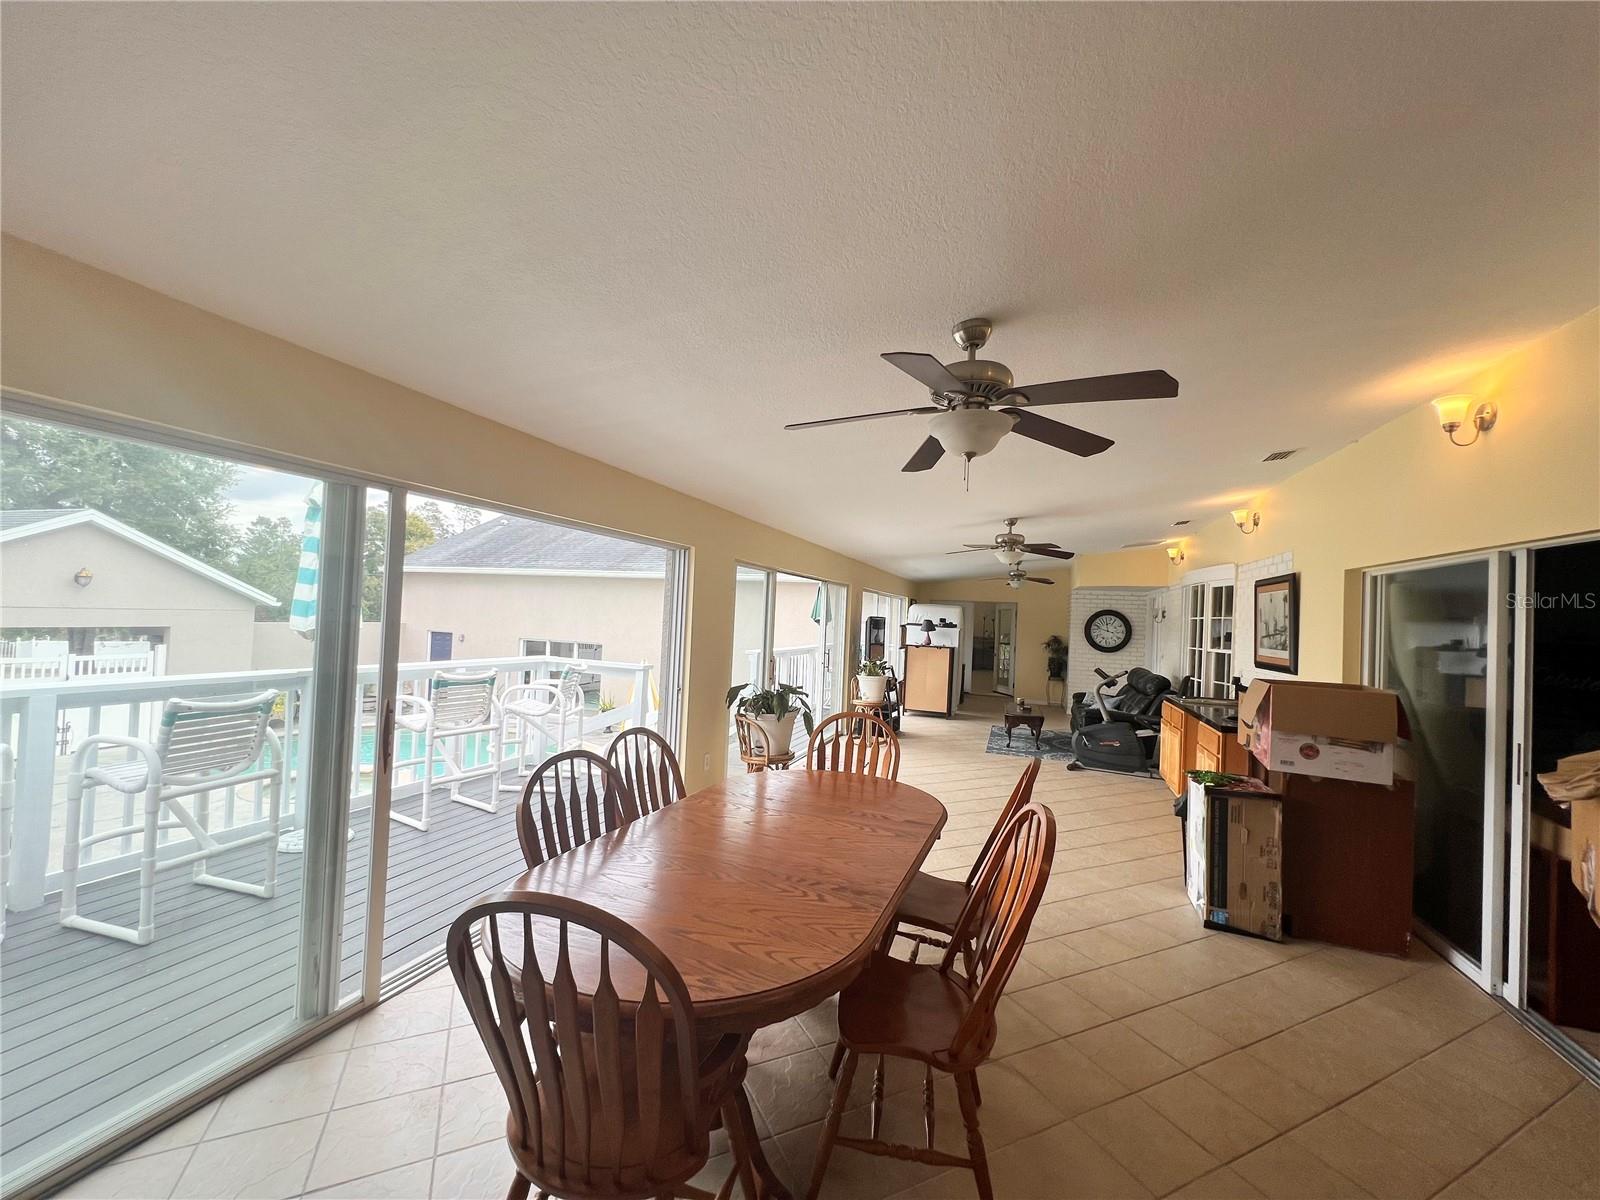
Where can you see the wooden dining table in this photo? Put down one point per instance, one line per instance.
(768, 892)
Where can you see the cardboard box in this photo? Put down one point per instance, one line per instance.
(1575, 783)
(1198, 802)
(1326, 730)
(1244, 870)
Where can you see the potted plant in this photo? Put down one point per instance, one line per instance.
(871, 682)
(1055, 649)
(774, 709)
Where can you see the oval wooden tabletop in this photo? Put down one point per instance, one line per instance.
(767, 891)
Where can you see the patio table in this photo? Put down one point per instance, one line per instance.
(768, 892)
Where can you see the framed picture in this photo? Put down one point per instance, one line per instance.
(1277, 624)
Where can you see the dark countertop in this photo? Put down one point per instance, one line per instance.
(1223, 716)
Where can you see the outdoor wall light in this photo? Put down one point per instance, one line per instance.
(1454, 412)
(84, 577)
(1248, 520)
(1175, 554)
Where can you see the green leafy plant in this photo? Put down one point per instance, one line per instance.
(1055, 648)
(605, 704)
(771, 702)
(870, 666)
(1213, 779)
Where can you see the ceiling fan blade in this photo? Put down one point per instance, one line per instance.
(893, 412)
(1057, 434)
(925, 369)
(1038, 547)
(1130, 385)
(1056, 553)
(970, 550)
(927, 454)
(1036, 579)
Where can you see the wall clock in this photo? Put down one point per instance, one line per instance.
(1107, 630)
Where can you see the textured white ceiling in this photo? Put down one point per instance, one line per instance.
(655, 233)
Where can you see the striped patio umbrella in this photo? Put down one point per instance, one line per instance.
(303, 607)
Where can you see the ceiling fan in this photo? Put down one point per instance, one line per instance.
(1011, 547)
(1016, 577)
(974, 403)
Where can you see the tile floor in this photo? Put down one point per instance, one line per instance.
(1139, 1055)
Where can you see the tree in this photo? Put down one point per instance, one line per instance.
(268, 557)
(374, 545)
(446, 520)
(178, 498)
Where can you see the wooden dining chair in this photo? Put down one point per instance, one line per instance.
(611, 1095)
(755, 749)
(944, 1016)
(570, 799)
(648, 767)
(856, 743)
(935, 904)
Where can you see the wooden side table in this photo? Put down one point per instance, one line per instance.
(1031, 718)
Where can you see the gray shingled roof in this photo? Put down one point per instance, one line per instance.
(13, 518)
(517, 543)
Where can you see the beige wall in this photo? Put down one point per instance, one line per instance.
(88, 339)
(209, 626)
(278, 647)
(1404, 492)
(1043, 610)
(491, 614)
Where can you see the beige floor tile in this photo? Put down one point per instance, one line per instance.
(376, 1137)
(1368, 1158)
(471, 1111)
(341, 1038)
(1326, 1057)
(1112, 993)
(137, 1178)
(414, 1011)
(1018, 1029)
(791, 1091)
(776, 1041)
(1060, 1163)
(1061, 1007)
(465, 1056)
(1556, 1156)
(382, 1069)
(1222, 1184)
(1159, 1154)
(1178, 1034)
(264, 1164)
(1279, 1102)
(1285, 1170)
(1503, 1058)
(822, 1024)
(1067, 1077)
(1220, 1124)
(298, 1088)
(403, 1183)
(481, 1172)
(1122, 1053)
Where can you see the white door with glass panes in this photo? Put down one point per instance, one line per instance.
(1208, 637)
(1005, 648)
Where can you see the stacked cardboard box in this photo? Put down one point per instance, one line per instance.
(1329, 751)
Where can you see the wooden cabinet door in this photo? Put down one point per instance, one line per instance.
(1205, 759)
(1172, 756)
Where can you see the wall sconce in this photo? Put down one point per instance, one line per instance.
(1175, 554)
(84, 577)
(1246, 519)
(1453, 412)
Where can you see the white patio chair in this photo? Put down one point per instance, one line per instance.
(460, 705)
(551, 709)
(203, 746)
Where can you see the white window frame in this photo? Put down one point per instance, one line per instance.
(1210, 596)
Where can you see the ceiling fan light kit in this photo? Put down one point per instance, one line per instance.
(974, 403)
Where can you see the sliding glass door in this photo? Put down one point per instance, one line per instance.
(1439, 635)
(183, 889)
(790, 629)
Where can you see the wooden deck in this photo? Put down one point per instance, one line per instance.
(90, 1026)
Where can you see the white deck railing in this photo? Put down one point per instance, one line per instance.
(44, 720)
(64, 666)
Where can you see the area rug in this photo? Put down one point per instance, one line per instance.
(1054, 744)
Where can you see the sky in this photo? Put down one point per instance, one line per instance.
(261, 492)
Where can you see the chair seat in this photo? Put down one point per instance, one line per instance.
(909, 1010)
(132, 776)
(932, 903)
(720, 1071)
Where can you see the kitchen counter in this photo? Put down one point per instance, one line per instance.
(1221, 715)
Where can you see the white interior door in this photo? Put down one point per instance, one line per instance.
(1005, 649)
